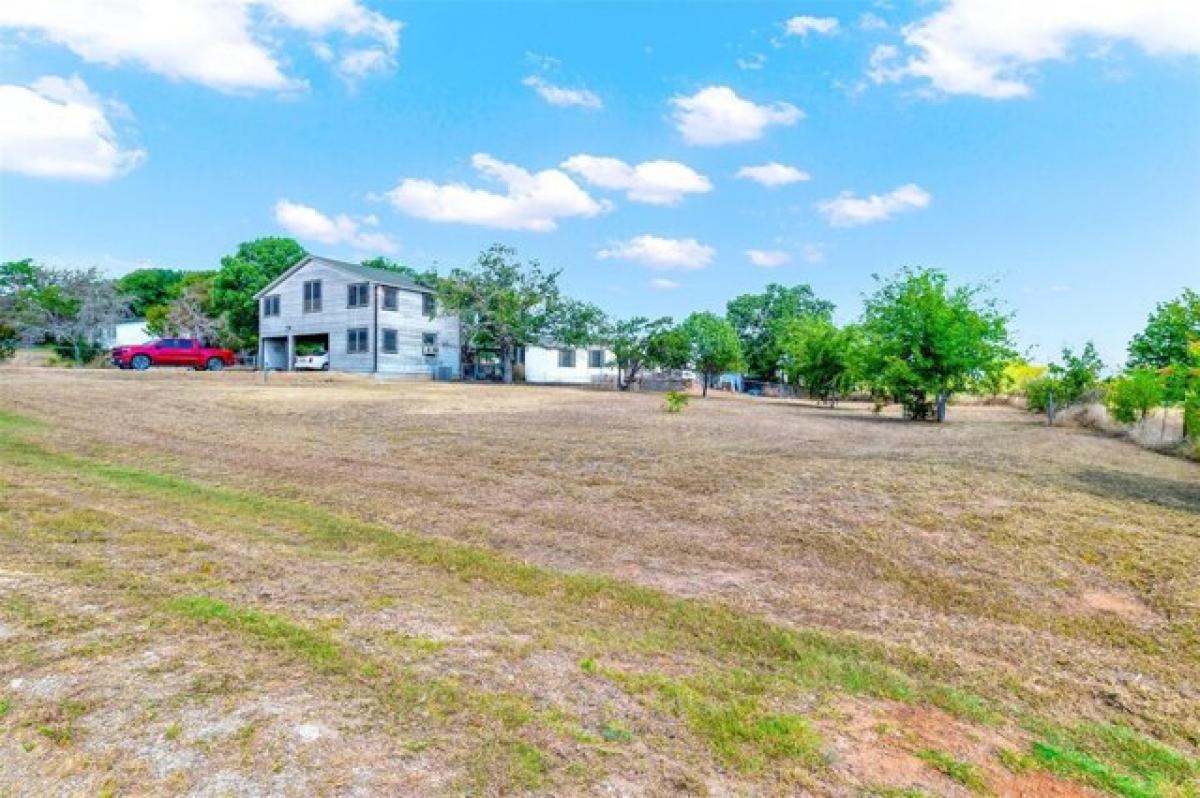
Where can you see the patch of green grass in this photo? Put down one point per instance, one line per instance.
(726, 710)
(964, 773)
(278, 633)
(885, 791)
(5, 706)
(1015, 761)
(587, 665)
(415, 644)
(173, 731)
(1118, 760)
(507, 766)
(58, 734)
(614, 731)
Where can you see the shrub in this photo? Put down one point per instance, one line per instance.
(1131, 396)
(8, 341)
(675, 401)
(1038, 391)
(87, 351)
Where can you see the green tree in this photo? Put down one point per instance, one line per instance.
(633, 346)
(1077, 373)
(1165, 341)
(503, 304)
(74, 307)
(821, 357)
(146, 288)
(714, 345)
(427, 278)
(760, 320)
(669, 348)
(924, 339)
(1130, 397)
(241, 276)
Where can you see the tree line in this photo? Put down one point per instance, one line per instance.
(917, 341)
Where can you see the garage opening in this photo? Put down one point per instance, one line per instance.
(312, 352)
(274, 354)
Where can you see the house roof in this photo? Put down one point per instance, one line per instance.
(381, 276)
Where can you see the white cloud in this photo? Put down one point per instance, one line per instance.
(871, 21)
(561, 97)
(813, 253)
(767, 258)
(848, 210)
(716, 115)
(652, 182)
(310, 224)
(802, 26)
(755, 61)
(229, 45)
(773, 174)
(57, 127)
(663, 284)
(531, 201)
(990, 48)
(666, 254)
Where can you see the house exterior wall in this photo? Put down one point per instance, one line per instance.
(335, 318)
(127, 333)
(541, 366)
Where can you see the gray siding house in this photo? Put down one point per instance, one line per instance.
(368, 320)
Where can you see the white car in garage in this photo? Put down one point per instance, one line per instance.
(313, 361)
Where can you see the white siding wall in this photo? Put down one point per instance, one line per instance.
(335, 318)
(541, 365)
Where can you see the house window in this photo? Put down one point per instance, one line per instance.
(566, 358)
(596, 358)
(429, 344)
(391, 299)
(429, 305)
(358, 295)
(312, 296)
(391, 342)
(271, 305)
(356, 341)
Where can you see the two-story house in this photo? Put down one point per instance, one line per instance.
(368, 320)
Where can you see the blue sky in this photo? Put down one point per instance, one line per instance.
(1057, 153)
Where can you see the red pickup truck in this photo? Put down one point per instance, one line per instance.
(171, 352)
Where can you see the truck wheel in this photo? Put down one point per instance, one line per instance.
(140, 362)
(325, 366)
(215, 364)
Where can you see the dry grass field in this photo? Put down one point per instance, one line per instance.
(325, 585)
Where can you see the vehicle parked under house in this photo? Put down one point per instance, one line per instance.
(368, 320)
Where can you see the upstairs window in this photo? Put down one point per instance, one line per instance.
(596, 358)
(391, 342)
(358, 295)
(391, 298)
(566, 358)
(356, 340)
(429, 305)
(271, 305)
(312, 296)
(429, 344)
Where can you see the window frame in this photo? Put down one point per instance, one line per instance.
(391, 298)
(394, 349)
(592, 353)
(313, 295)
(428, 304)
(352, 334)
(271, 305)
(564, 355)
(358, 291)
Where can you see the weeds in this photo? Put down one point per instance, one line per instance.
(964, 773)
